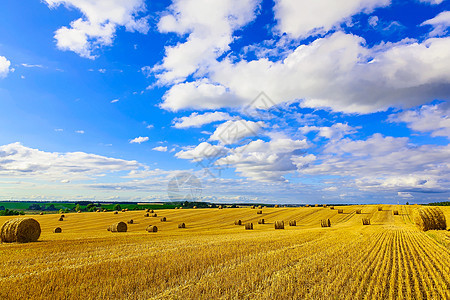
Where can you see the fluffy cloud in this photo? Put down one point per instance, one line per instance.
(209, 29)
(160, 149)
(432, 2)
(140, 139)
(385, 163)
(440, 24)
(428, 118)
(4, 66)
(99, 23)
(265, 161)
(198, 120)
(232, 132)
(336, 131)
(301, 18)
(340, 73)
(17, 160)
(203, 151)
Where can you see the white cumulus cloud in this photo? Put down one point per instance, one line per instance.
(4, 66)
(98, 25)
(160, 149)
(198, 120)
(139, 140)
(440, 24)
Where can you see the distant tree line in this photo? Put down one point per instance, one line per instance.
(445, 203)
(7, 212)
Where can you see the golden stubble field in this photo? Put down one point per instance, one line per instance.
(214, 259)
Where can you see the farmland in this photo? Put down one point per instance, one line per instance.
(213, 258)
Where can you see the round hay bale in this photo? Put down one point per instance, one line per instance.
(430, 218)
(130, 221)
(98, 210)
(163, 219)
(380, 208)
(123, 210)
(220, 207)
(147, 210)
(238, 222)
(195, 207)
(365, 221)
(307, 205)
(292, 223)
(105, 210)
(259, 212)
(79, 212)
(57, 230)
(252, 207)
(248, 226)
(41, 213)
(279, 225)
(61, 219)
(108, 228)
(154, 215)
(63, 216)
(358, 211)
(259, 207)
(116, 212)
(146, 215)
(261, 221)
(276, 206)
(21, 230)
(325, 223)
(340, 211)
(151, 211)
(151, 228)
(126, 209)
(181, 225)
(331, 207)
(324, 206)
(118, 227)
(316, 205)
(395, 212)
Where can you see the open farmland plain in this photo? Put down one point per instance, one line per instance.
(212, 258)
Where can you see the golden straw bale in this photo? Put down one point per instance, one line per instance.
(151, 228)
(130, 221)
(118, 227)
(248, 226)
(21, 230)
(57, 230)
(358, 211)
(238, 222)
(395, 212)
(340, 211)
(279, 225)
(259, 212)
(292, 223)
(163, 219)
(181, 225)
(325, 223)
(365, 221)
(430, 218)
(261, 221)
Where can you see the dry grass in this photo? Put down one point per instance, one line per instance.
(430, 218)
(213, 259)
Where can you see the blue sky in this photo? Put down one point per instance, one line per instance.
(282, 101)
